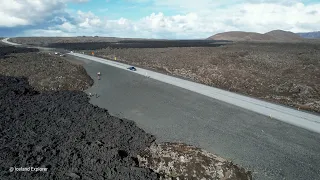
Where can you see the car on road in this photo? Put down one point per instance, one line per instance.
(132, 68)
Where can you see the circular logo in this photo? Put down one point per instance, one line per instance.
(11, 169)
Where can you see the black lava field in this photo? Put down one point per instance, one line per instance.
(6, 50)
(63, 132)
(137, 44)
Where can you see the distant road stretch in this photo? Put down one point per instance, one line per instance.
(5, 40)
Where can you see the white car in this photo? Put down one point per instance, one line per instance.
(56, 53)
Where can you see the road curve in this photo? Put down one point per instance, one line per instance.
(5, 40)
(271, 148)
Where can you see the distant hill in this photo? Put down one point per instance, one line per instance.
(283, 35)
(310, 35)
(240, 36)
(276, 35)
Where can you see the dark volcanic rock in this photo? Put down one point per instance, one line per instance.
(138, 44)
(6, 50)
(63, 132)
(46, 72)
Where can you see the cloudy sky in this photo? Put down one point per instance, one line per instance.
(171, 19)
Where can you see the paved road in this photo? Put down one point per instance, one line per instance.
(271, 148)
(289, 115)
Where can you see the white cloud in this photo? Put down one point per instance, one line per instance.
(10, 21)
(30, 12)
(88, 20)
(67, 27)
(48, 32)
(200, 19)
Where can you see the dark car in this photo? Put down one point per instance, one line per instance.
(132, 68)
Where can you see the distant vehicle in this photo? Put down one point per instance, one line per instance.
(132, 68)
(99, 75)
(56, 53)
(62, 55)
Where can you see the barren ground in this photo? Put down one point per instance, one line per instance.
(284, 73)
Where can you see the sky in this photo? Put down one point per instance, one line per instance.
(166, 19)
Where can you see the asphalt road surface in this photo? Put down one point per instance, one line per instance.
(289, 115)
(270, 148)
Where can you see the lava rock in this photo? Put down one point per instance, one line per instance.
(54, 130)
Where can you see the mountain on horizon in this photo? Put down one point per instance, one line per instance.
(275, 35)
(310, 35)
